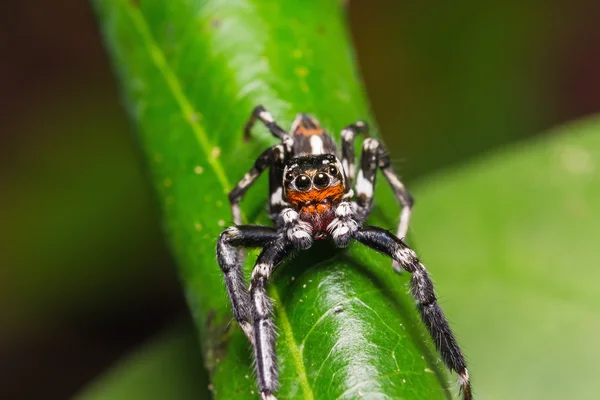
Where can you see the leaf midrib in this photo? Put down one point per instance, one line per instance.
(294, 349)
(190, 115)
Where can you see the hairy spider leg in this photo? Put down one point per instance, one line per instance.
(309, 142)
(271, 157)
(267, 119)
(262, 308)
(349, 134)
(231, 263)
(373, 157)
(404, 198)
(276, 202)
(422, 291)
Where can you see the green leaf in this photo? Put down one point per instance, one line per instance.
(191, 72)
(169, 367)
(513, 238)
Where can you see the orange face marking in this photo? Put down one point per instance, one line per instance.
(302, 130)
(316, 198)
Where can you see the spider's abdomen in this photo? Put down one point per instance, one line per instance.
(310, 137)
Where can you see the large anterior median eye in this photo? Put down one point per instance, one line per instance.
(321, 180)
(302, 182)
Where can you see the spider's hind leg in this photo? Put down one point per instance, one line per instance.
(231, 263)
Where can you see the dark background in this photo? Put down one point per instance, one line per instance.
(85, 275)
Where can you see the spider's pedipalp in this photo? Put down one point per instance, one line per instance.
(344, 225)
(298, 232)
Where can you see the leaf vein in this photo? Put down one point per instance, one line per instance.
(327, 313)
(293, 346)
(172, 81)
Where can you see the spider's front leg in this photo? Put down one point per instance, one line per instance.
(231, 263)
(424, 295)
(262, 308)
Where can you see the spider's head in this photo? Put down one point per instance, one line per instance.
(314, 180)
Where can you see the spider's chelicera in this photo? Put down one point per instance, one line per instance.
(312, 198)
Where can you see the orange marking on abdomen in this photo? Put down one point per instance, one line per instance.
(308, 132)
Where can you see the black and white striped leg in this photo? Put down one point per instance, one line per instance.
(270, 157)
(261, 114)
(231, 263)
(404, 198)
(375, 156)
(365, 179)
(262, 308)
(349, 134)
(423, 292)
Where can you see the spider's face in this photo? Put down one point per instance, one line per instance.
(313, 180)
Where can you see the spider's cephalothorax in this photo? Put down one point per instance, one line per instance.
(313, 186)
(313, 196)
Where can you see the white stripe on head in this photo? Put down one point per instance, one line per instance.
(316, 145)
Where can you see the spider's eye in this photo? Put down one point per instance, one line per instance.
(289, 176)
(321, 180)
(332, 171)
(302, 182)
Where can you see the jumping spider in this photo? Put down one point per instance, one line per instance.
(311, 198)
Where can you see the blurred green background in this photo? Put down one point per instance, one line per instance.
(85, 276)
